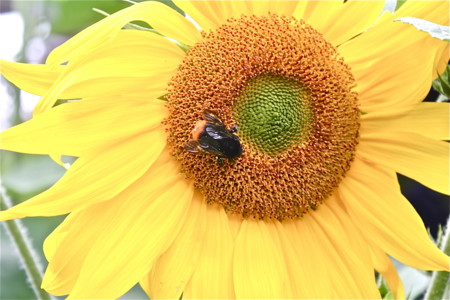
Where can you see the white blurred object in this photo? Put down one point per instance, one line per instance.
(390, 5)
(27, 103)
(11, 34)
(414, 281)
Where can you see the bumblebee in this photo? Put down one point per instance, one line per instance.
(211, 136)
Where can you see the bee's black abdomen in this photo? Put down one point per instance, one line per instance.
(217, 140)
(231, 148)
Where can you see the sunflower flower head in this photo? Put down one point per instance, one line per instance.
(292, 97)
(269, 171)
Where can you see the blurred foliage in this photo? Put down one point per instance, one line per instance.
(442, 84)
(24, 176)
(68, 17)
(399, 4)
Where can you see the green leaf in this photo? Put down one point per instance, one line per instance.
(389, 296)
(442, 83)
(69, 17)
(25, 174)
(383, 288)
(440, 32)
(399, 4)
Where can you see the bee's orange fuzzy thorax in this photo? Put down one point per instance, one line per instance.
(199, 126)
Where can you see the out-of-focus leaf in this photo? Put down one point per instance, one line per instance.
(68, 16)
(399, 4)
(389, 296)
(437, 31)
(383, 288)
(442, 83)
(24, 174)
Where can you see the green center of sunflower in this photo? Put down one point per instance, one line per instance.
(289, 93)
(273, 113)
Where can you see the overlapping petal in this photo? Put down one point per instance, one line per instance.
(386, 268)
(259, 267)
(337, 277)
(95, 177)
(79, 127)
(384, 86)
(174, 268)
(401, 235)
(351, 247)
(212, 277)
(161, 17)
(24, 77)
(133, 61)
(433, 11)
(336, 20)
(299, 244)
(430, 119)
(403, 152)
(212, 14)
(124, 222)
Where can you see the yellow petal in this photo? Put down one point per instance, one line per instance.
(174, 268)
(65, 256)
(299, 246)
(212, 277)
(373, 199)
(264, 8)
(96, 177)
(159, 16)
(386, 268)
(35, 79)
(420, 158)
(111, 70)
(259, 268)
(383, 85)
(335, 19)
(150, 226)
(76, 128)
(332, 276)
(235, 222)
(207, 14)
(350, 245)
(212, 14)
(430, 119)
(145, 216)
(434, 11)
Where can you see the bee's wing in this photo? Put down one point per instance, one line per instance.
(193, 146)
(209, 145)
(209, 115)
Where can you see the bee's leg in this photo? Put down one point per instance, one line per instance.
(233, 129)
(220, 161)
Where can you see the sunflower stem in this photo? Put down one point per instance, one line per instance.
(440, 279)
(27, 255)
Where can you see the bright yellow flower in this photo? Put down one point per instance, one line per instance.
(327, 97)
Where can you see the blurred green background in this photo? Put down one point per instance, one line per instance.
(31, 29)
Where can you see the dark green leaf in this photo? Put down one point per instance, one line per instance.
(399, 3)
(442, 83)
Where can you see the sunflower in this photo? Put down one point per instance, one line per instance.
(327, 107)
